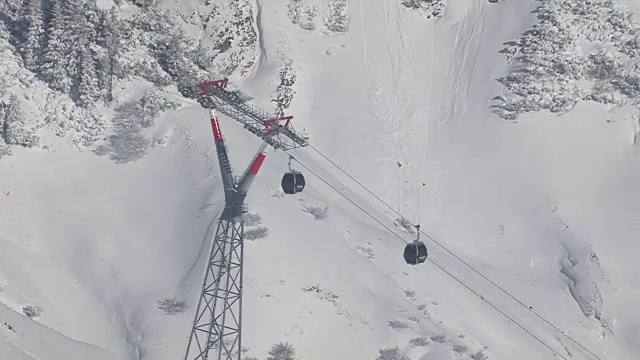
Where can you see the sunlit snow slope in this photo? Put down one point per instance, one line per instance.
(547, 208)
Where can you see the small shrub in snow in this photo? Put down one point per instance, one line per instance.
(478, 356)
(440, 338)
(398, 325)
(459, 349)
(337, 20)
(171, 306)
(430, 8)
(410, 294)
(282, 351)
(14, 128)
(256, 233)
(367, 252)
(251, 219)
(302, 15)
(32, 311)
(4, 151)
(419, 342)
(151, 105)
(322, 294)
(391, 354)
(318, 212)
(284, 92)
(405, 224)
(8, 326)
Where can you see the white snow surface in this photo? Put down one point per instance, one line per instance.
(548, 208)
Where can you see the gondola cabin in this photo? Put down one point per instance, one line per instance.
(415, 253)
(292, 182)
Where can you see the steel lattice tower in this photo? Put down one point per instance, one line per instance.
(216, 333)
(219, 313)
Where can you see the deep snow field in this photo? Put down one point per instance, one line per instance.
(546, 207)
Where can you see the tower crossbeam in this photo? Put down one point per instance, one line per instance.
(274, 130)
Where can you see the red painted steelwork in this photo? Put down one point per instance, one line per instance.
(257, 163)
(217, 133)
(271, 129)
(221, 84)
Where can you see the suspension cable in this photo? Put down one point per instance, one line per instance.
(347, 198)
(497, 309)
(530, 309)
(431, 260)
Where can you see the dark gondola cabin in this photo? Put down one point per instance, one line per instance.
(415, 253)
(292, 182)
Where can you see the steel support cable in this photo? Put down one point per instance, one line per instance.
(496, 308)
(512, 297)
(431, 260)
(456, 256)
(347, 198)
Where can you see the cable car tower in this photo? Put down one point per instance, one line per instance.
(217, 327)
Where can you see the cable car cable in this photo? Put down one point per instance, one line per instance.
(455, 256)
(351, 201)
(512, 297)
(498, 310)
(435, 263)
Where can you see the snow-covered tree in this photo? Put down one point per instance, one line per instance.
(91, 21)
(391, 354)
(75, 27)
(301, 14)
(109, 40)
(53, 63)
(88, 88)
(87, 83)
(4, 149)
(337, 20)
(282, 351)
(173, 60)
(284, 92)
(431, 8)
(553, 70)
(4, 32)
(31, 33)
(14, 130)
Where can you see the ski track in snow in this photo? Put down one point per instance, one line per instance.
(468, 21)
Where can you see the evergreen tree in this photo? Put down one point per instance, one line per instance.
(52, 65)
(74, 25)
(3, 115)
(31, 33)
(109, 40)
(337, 20)
(13, 128)
(92, 18)
(282, 351)
(391, 354)
(88, 88)
(174, 61)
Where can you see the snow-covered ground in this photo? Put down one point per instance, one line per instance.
(547, 207)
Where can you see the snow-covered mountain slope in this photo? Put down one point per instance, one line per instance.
(546, 207)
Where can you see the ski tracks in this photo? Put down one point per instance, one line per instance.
(458, 75)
